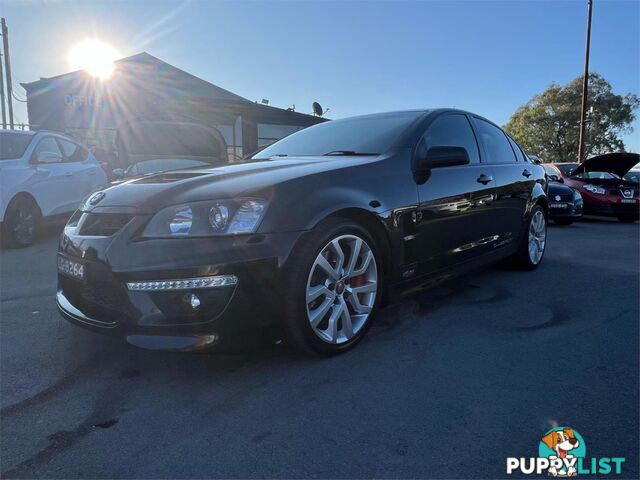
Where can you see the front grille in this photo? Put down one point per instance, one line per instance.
(103, 224)
(625, 192)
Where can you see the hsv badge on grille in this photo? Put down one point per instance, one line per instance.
(628, 193)
(96, 197)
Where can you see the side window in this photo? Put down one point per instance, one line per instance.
(495, 143)
(72, 152)
(47, 147)
(451, 130)
(516, 148)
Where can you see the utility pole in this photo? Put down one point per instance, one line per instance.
(7, 69)
(4, 111)
(585, 88)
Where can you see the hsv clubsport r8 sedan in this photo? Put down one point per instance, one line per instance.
(310, 236)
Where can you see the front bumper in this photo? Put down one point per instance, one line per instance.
(566, 209)
(613, 209)
(166, 319)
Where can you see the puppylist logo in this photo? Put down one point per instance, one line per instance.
(562, 453)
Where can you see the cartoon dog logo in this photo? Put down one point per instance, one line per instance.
(564, 443)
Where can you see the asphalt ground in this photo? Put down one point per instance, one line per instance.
(447, 384)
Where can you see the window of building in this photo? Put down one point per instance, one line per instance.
(496, 145)
(269, 133)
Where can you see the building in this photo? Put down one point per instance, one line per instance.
(143, 87)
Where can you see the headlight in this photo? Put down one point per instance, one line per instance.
(200, 219)
(595, 189)
(576, 196)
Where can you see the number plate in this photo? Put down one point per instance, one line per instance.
(628, 200)
(559, 205)
(71, 268)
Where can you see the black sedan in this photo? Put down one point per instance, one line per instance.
(565, 203)
(308, 238)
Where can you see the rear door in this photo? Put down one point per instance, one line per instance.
(514, 177)
(455, 202)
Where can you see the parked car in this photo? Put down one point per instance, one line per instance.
(43, 177)
(147, 147)
(311, 235)
(565, 203)
(633, 175)
(604, 191)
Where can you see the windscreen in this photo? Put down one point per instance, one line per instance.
(360, 135)
(13, 145)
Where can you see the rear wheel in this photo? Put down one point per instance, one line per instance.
(534, 241)
(21, 222)
(333, 288)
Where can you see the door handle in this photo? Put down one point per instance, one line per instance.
(484, 179)
(526, 173)
(68, 174)
(92, 171)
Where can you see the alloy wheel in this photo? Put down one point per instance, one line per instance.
(537, 237)
(24, 226)
(341, 289)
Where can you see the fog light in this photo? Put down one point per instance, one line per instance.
(183, 284)
(192, 300)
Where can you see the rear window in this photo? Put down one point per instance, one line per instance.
(13, 145)
(567, 168)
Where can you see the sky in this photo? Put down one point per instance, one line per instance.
(355, 57)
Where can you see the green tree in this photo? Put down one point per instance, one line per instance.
(548, 124)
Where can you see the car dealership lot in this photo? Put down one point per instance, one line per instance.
(447, 384)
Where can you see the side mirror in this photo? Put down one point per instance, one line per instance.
(443, 157)
(118, 172)
(48, 157)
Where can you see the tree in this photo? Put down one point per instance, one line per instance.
(548, 125)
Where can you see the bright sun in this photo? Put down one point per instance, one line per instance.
(94, 56)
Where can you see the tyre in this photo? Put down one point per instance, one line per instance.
(627, 218)
(333, 287)
(21, 222)
(534, 241)
(563, 221)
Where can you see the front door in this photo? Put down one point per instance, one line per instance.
(456, 203)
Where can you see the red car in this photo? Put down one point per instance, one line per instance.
(604, 191)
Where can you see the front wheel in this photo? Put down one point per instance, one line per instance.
(333, 288)
(627, 218)
(534, 241)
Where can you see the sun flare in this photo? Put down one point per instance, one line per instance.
(94, 56)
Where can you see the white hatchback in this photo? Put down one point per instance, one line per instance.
(43, 176)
